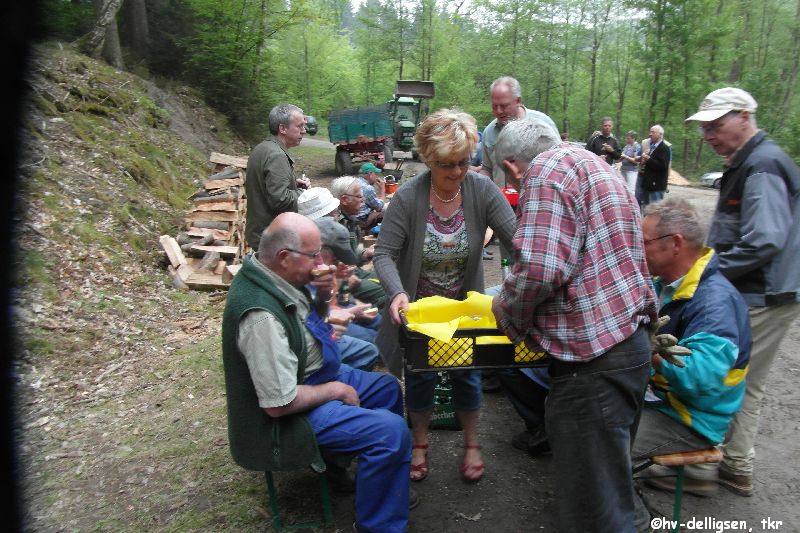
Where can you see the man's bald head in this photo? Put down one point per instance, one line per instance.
(290, 247)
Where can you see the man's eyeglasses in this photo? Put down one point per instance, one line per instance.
(648, 241)
(451, 166)
(359, 196)
(310, 255)
(713, 127)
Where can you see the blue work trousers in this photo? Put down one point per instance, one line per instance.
(377, 433)
(357, 353)
(591, 413)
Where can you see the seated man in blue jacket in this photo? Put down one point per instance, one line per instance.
(294, 367)
(696, 397)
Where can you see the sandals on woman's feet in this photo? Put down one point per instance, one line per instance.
(419, 471)
(474, 472)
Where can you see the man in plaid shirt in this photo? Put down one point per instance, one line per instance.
(581, 291)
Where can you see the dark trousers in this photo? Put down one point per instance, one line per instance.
(591, 414)
(526, 396)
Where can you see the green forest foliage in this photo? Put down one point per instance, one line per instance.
(641, 63)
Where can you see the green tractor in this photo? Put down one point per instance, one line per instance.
(373, 133)
(406, 112)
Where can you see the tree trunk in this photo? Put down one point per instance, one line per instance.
(788, 94)
(104, 38)
(138, 34)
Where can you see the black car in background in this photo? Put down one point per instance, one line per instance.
(311, 125)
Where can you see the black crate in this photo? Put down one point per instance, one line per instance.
(423, 353)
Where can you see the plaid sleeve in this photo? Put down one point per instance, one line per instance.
(547, 245)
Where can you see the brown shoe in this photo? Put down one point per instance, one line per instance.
(737, 483)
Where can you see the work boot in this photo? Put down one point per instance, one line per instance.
(534, 442)
(664, 478)
(740, 484)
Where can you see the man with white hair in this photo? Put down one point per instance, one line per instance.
(756, 233)
(656, 156)
(580, 291)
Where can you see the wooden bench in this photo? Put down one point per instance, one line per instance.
(678, 461)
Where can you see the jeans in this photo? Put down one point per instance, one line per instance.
(357, 353)
(377, 432)
(421, 386)
(591, 414)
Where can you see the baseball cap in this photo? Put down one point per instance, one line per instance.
(316, 202)
(722, 101)
(366, 168)
(337, 238)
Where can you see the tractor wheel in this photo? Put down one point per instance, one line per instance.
(388, 151)
(344, 164)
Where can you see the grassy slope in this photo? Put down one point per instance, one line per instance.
(121, 404)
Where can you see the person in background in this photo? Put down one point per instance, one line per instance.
(271, 186)
(631, 155)
(603, 143)
(431, 243)
(755, 231)
(363, 284)
(580, 291)
(655, 163)
(316, 202)
(272, 326)
(506, 98)
(373, 188)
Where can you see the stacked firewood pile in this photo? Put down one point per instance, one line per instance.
(208, 251)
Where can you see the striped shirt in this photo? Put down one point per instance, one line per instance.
(580, 284)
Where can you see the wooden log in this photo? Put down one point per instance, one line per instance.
(211, 224)
(209, 261)
(177, 282)
(220, 268)
(225, 173)
(202, 232)
(229, 272)
(222, 184)
(215, 216)
(228, 160)
(173, 250)
(216, 195)
(206, 281)
(227, 251)
(215, 206)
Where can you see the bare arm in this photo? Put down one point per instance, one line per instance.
(310, 396)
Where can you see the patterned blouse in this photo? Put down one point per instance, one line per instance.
(444, 256)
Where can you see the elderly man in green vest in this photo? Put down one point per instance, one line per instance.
(271, 324)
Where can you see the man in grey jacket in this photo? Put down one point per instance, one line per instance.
(756, 232)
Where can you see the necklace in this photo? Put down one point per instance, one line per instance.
(433, 190)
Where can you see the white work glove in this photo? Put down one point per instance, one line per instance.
(666, 345)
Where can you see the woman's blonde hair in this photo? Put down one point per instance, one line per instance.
(445, 133)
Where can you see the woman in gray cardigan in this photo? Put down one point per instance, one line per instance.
(431, 243)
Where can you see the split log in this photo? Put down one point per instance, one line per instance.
(229, 272)
(220, 268)
(227, 251)
(211, 224)
(215, 216)
(209, 261)
(206, 281)
(223, 184)
(173, 250)
(228, 160)
(219, 235)
(226, 173)
(215, 206)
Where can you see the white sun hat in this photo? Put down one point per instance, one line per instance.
(316, 202)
